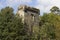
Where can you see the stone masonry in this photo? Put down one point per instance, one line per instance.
(30, 16)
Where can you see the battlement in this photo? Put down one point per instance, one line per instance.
(28, 8)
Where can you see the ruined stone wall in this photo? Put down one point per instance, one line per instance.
(32, 20)
(30, 16)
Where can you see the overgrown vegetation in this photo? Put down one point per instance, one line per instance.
(12, 28)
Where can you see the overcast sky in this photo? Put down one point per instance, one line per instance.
(43, 5)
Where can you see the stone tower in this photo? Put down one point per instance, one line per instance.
(30, 16)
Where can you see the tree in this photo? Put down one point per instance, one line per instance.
(11, 27)
(47, 28)
(55, 9)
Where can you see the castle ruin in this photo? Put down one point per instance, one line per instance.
(30, 16)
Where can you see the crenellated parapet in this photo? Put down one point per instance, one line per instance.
(28, 8)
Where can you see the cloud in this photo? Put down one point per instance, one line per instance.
(1, 6)
(56, 2)
(26, 1)
(45, 5)
(14, 2)
(17, 1)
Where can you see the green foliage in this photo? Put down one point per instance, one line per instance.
(49, 27)
(11, 27)
(55, 9)
(46, 28)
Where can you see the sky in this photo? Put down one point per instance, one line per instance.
(43, 5)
